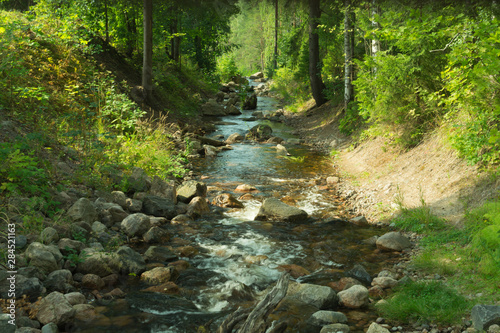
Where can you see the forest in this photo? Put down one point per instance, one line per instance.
(102, 112)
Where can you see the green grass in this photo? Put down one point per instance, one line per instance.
(425, 301)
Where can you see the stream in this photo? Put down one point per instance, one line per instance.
(238, 258)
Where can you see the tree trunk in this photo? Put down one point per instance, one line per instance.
(107, 19)
(147, 66)
(348, 49)
(375, 42)
(317, 85)
(275, 59)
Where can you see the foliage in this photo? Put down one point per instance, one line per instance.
(292, 91)
(350, 122)
(226, 67)
(425, 301)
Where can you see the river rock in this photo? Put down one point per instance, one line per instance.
(335, 328)
(136, 224)
(323, 317)
(376, 328)
(134, 205)
(82, 211)
(276, 210)
(250, 102)
(275, 139)
(213, 109)
(197, 207)
(119, 198)
(47, 258)
(190, 189)
(99, 263)
(164, 189)
(258, 75)
(60, 280)
(281, 150)
(227, 200)
(235, 137)
(84, 312)
(321, 297)
(384, 282)
(160, 275)
(130, 261)
(24, 285)
(75, 298)
(232, 110)
(139, 180)
(393, 241)
(165, 288)
(158, 206)
(68, 246)
(245, 188)
(483, 316)
(295, 271)
(49, 235)
(55, 308)
(354, 297)
(156, 235)
(4, 324)
(359, 220)
(159, 254)
(344, 283)
(359, 273)
(260, 132)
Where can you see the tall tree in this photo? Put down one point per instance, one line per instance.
(348, 52)
(276, 26)
(317, 85)
(147, 66)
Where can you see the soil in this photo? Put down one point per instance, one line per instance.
(377, 175)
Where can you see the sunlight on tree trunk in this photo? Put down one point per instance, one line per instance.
(348, 50)
(317, 85)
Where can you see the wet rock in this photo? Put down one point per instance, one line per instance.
(376, 328)
(359, 273)
(160, 275)
(245, 188)
(321, 297)
(190, 189)
(250, 102)
(92, 282)
(483, 316)
(343, 283)
(82, 211)
(393, 241)
(133, 205)
(75, 298)
(165, 288)
(164, 189)
(322, 318)
(85, 312)
(295, 271)
(158, 206)
(46, 258)
(335, 328)
(275, 139)
(354, 297)
(232, 110)
(130, 261)
(155, 302)
(181, 219)
(60, 280)
(156, 235)
(384, 282)
(235, 137)
(260, 132)
(186, 251)
(136, 224)
(55, 308)
(197, 207)
(99, 263)
(49, 235)
(276, 210)
(227, 200)
(159, 254)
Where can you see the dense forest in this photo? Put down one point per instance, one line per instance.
(96, 96)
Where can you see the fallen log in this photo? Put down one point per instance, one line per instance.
(255, 321)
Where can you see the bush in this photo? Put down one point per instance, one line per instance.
(226, 67)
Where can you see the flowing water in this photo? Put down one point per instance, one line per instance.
(238, 257)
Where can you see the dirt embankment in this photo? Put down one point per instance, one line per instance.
(376, 175)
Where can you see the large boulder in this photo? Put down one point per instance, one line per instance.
(190, 189)
(250, 102)
(321, 297)
(130, 261)
(213, 109)
(136, 224)
(483, 316)
(82, 211)
(260, 132)
(393, 241)
(99, 263)
(354, 297)
(276, 210)
(158, 206)
(197, 207)
(164, 189)
(46, 258)
(55, 308)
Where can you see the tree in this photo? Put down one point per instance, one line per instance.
(348, 52)
(147, 66)
(317, 85)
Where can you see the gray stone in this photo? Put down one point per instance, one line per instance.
(27, 330)
(98, 227)
(276, 210)
(55, 308)
(164, 189)
(158, 206)
(260, 132)
(323, 317)
(483, 316)
(49, 235)
(359, 220)
(393, 241)
(44, 257)
(82, 211)
(376, 328)
(75, 298)
(354, 297)
(30, 286)
(136, 224)
(134, 205)
(99, 263)
(50, 328)
(139, 180)
(322, 297)
(197, 207)
(60, 280)
(232, 110)
(384, 282)
(130, 261)
(235, 137)
(4, 324)
(156, 235)
(335, 328)
(190, 189)
(23, 321)
(359, 273)
(21, 241)
(119, 198)
(159, 254)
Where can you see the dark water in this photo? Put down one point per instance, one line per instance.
(238, 257)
